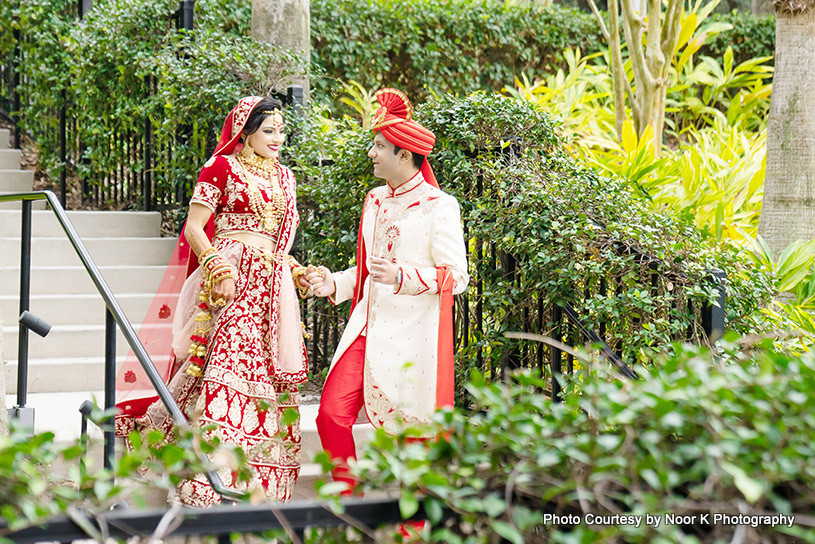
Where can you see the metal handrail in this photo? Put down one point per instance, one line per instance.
(115, 314)
(221, 521)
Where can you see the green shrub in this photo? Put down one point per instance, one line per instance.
(455, 46)
(750, 37)
(570, 230)
(694, 437)
(126, 64)
(41, 478)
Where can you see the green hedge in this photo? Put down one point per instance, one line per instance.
(428, 46)
(125, 64)
(692, 438)
(568, 227)
(749, 38)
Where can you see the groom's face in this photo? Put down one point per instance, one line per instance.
(387, 164)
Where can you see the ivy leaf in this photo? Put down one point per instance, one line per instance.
(408, 504)
(507, 531)
(751, 489)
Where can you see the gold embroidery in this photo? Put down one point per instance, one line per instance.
(272, 211)
(206, 194)
(383, 412)
(218, 406)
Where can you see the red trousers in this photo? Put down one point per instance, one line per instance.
(341, 401)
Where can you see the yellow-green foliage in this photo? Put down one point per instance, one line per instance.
(713, 163)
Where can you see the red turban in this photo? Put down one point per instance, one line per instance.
(393, 120)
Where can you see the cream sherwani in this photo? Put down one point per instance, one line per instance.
(418, 227)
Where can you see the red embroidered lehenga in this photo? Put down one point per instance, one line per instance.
(255, 357)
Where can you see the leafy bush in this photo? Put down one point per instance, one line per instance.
(711, 170)
(750, 37)
(40, 478)
(126, 65)
(694, 437)
(523, 195)
(455, 46)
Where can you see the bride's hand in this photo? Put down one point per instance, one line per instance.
(321, 281)
(224, 290)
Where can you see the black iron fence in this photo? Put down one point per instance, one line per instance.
(137, 160)
(219, 521)
(482, 341)
(505, 297)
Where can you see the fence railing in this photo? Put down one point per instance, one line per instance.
(127, 173)
(114, 316)
(220, 521)
(486, 311)
(130, 165)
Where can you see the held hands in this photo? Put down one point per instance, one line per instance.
(321, 281)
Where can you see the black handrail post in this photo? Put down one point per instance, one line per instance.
(25, 291)
(187, 14)
(63, 160)
(110, 383)
(84, 6)
(556, 365)
(86, 409)
(713, 314)
(15, 88)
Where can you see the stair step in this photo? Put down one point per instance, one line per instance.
(104, 251)
(69, 340)
(17, 205)
(5, 138)
(59, 413)
(58, 309)
(88, 224)
(16, 181)
(59, 376)
(76, 280)
(10, 159)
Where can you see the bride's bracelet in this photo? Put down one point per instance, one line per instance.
(214, 266)
(296, 273)
(208, 255)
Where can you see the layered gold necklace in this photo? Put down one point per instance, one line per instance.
(270, 213)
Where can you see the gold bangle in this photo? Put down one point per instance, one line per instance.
(296, 273)
(206, 253)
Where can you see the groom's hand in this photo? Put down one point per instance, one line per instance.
(383, 271)
(321, 281)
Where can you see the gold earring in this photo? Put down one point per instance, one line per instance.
(247, 151)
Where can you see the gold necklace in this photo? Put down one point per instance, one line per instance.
(270, 213)
(251, 158)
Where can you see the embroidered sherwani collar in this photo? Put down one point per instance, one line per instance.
(407, 186)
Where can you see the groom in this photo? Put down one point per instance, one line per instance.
(395, 356)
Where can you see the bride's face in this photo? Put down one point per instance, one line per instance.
(268, 139)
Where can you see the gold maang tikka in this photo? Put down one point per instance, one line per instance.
(277, 117)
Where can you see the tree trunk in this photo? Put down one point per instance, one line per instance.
(788, 210)
(762, 7)
(286, 24)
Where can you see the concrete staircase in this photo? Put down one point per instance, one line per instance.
(67, 367)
